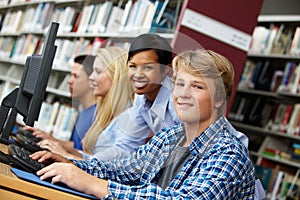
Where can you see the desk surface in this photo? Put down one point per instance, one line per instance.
(12, 187)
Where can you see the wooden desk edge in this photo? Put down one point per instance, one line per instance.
(9, 182)
(29, 189)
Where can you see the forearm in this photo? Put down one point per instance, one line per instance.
(98, 187)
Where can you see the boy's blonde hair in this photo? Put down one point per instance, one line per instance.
(118, 98)
(208, 64)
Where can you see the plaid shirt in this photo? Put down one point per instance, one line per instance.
(219, 168)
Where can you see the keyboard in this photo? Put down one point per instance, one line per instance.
(22, 159)
(28, 142)
(29, 135)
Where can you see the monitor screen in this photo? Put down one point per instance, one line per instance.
(27, 99)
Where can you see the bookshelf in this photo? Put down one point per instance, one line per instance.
(20, 30)
(265, 106)
(85, 26)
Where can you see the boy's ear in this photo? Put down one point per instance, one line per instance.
(219, 103)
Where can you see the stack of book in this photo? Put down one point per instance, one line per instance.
(296, 151)
(278, 184)
(275, 40)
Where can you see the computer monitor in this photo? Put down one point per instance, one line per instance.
(28, 97)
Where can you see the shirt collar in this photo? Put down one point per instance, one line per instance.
(160, 104)
(200, 144)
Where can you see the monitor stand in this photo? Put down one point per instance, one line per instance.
(8, 115)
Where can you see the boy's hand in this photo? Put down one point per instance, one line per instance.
(49, 157)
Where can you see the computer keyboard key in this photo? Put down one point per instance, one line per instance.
(21, 156)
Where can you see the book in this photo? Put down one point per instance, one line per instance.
(259, 36)
(280, 113)
(294, 80)
(126, 15)
(256, 74)
(132, 16)
(270, 39)
(295, 44)
(287, 74)
(277, 185)
(264, 174)
(28, 19)
(86, 15)
(103, 16)
(36, 23)
(282, 40)
(246, 75)
(77, 21)
(149, 15)
(97, 43)
(64, 84)
(44, 117)
(253, 111)
(91, 24)
(276, 80)
(55, 110)
(114, 21)
(140, 15)
(286, 118)
(293, 125)
(233, 112)
(266, 114)
(46, 15)
(240, 111)
(66, 15)
(264, 79)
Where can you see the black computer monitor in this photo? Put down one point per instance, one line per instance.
(27, 99)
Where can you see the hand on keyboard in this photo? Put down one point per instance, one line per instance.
(28, 142)
(49, 157)
(29, 134)
(23, 160)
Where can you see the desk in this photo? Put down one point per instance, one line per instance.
(13, 188)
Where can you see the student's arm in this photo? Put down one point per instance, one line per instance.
(221, 175)
(75, 178)
(212, 181)
(122, 136)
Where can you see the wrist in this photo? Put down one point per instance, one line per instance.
(108, 196)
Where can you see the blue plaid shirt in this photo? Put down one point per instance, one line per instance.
(219, 168)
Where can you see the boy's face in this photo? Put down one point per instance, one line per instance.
(146, 74)
(79, 81)
(194, 98)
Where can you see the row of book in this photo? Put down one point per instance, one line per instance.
(273, 116)
(58, 119)
(11, 76)
(11, 2)
(31, 19)
(268, 76)
(17, 49)
(276, 40)
(103, 17)
(278, 184)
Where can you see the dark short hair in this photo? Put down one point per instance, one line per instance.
(149, 41)
(87, 61)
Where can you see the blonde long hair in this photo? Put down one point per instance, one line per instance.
(118, 98)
